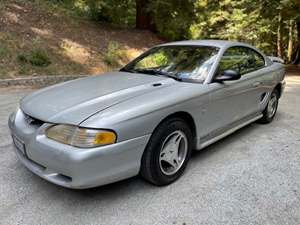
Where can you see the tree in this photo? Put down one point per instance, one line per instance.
(279, 35)
(271, 25)
(144, 18)
(291, 40)
(173, 18)
(295, 59)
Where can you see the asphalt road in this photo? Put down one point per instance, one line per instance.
(250, 177)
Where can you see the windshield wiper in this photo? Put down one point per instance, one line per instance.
(172, 76)
(158, 72)
(127, 70)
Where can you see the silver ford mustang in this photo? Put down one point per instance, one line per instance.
(148, 117)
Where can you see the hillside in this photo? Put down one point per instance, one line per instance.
(37, 38)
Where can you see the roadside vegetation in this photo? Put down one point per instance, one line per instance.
(273, 25)
(45, 37)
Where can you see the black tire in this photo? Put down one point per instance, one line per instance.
(267, 118)
(150, 165)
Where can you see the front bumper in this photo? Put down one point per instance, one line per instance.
(74, 167)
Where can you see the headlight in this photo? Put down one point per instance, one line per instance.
(80, 137)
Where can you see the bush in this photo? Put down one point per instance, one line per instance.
(36, 57)
(121, 13)
(22, 58)
(3, 51)
(39, 57)
(113, 54)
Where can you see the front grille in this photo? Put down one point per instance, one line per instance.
(32, 121)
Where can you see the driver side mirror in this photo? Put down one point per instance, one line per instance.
(228, 75)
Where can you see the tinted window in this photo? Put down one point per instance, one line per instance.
(241, 59)
(184, 62)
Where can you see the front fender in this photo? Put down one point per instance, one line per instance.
(141, 115)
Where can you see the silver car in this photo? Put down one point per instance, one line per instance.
(148, 117)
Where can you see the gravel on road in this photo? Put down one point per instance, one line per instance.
(250, 177)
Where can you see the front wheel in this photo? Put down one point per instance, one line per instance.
(271, 108)
(167, 152)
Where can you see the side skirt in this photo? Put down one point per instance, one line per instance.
(227, 132)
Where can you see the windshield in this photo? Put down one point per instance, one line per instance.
(178, 62)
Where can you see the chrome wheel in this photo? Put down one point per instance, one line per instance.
(272, 105)
(173, 152)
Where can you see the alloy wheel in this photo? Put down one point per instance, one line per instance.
(272, 105)
(173, 152)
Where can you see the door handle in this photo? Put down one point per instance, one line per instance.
(256, 84)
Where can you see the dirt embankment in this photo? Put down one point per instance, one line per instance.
(36, 39)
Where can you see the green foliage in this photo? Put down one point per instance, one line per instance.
(3, 51)
(157, 59)
(113, 54)
(22, 58)
(117, 12)
(39, 57)
(36, 57)
(173, 18)
(242, 20)
(160, 59)
(252, 21)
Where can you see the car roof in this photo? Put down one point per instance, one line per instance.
(215, 43)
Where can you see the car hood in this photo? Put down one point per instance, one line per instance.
(74, 101)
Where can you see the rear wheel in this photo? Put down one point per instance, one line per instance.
(271, 108)
(167, 152)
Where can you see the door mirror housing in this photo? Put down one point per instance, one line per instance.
(228, 75)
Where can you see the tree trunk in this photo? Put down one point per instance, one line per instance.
(296, 55)
(279, 36)
(144, 18)
(298, 32)
(291, 41)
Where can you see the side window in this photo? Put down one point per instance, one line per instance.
(241, 59)
(258, 59)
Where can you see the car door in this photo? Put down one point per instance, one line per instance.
(234, 102)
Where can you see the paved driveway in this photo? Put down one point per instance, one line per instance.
(251, 177)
